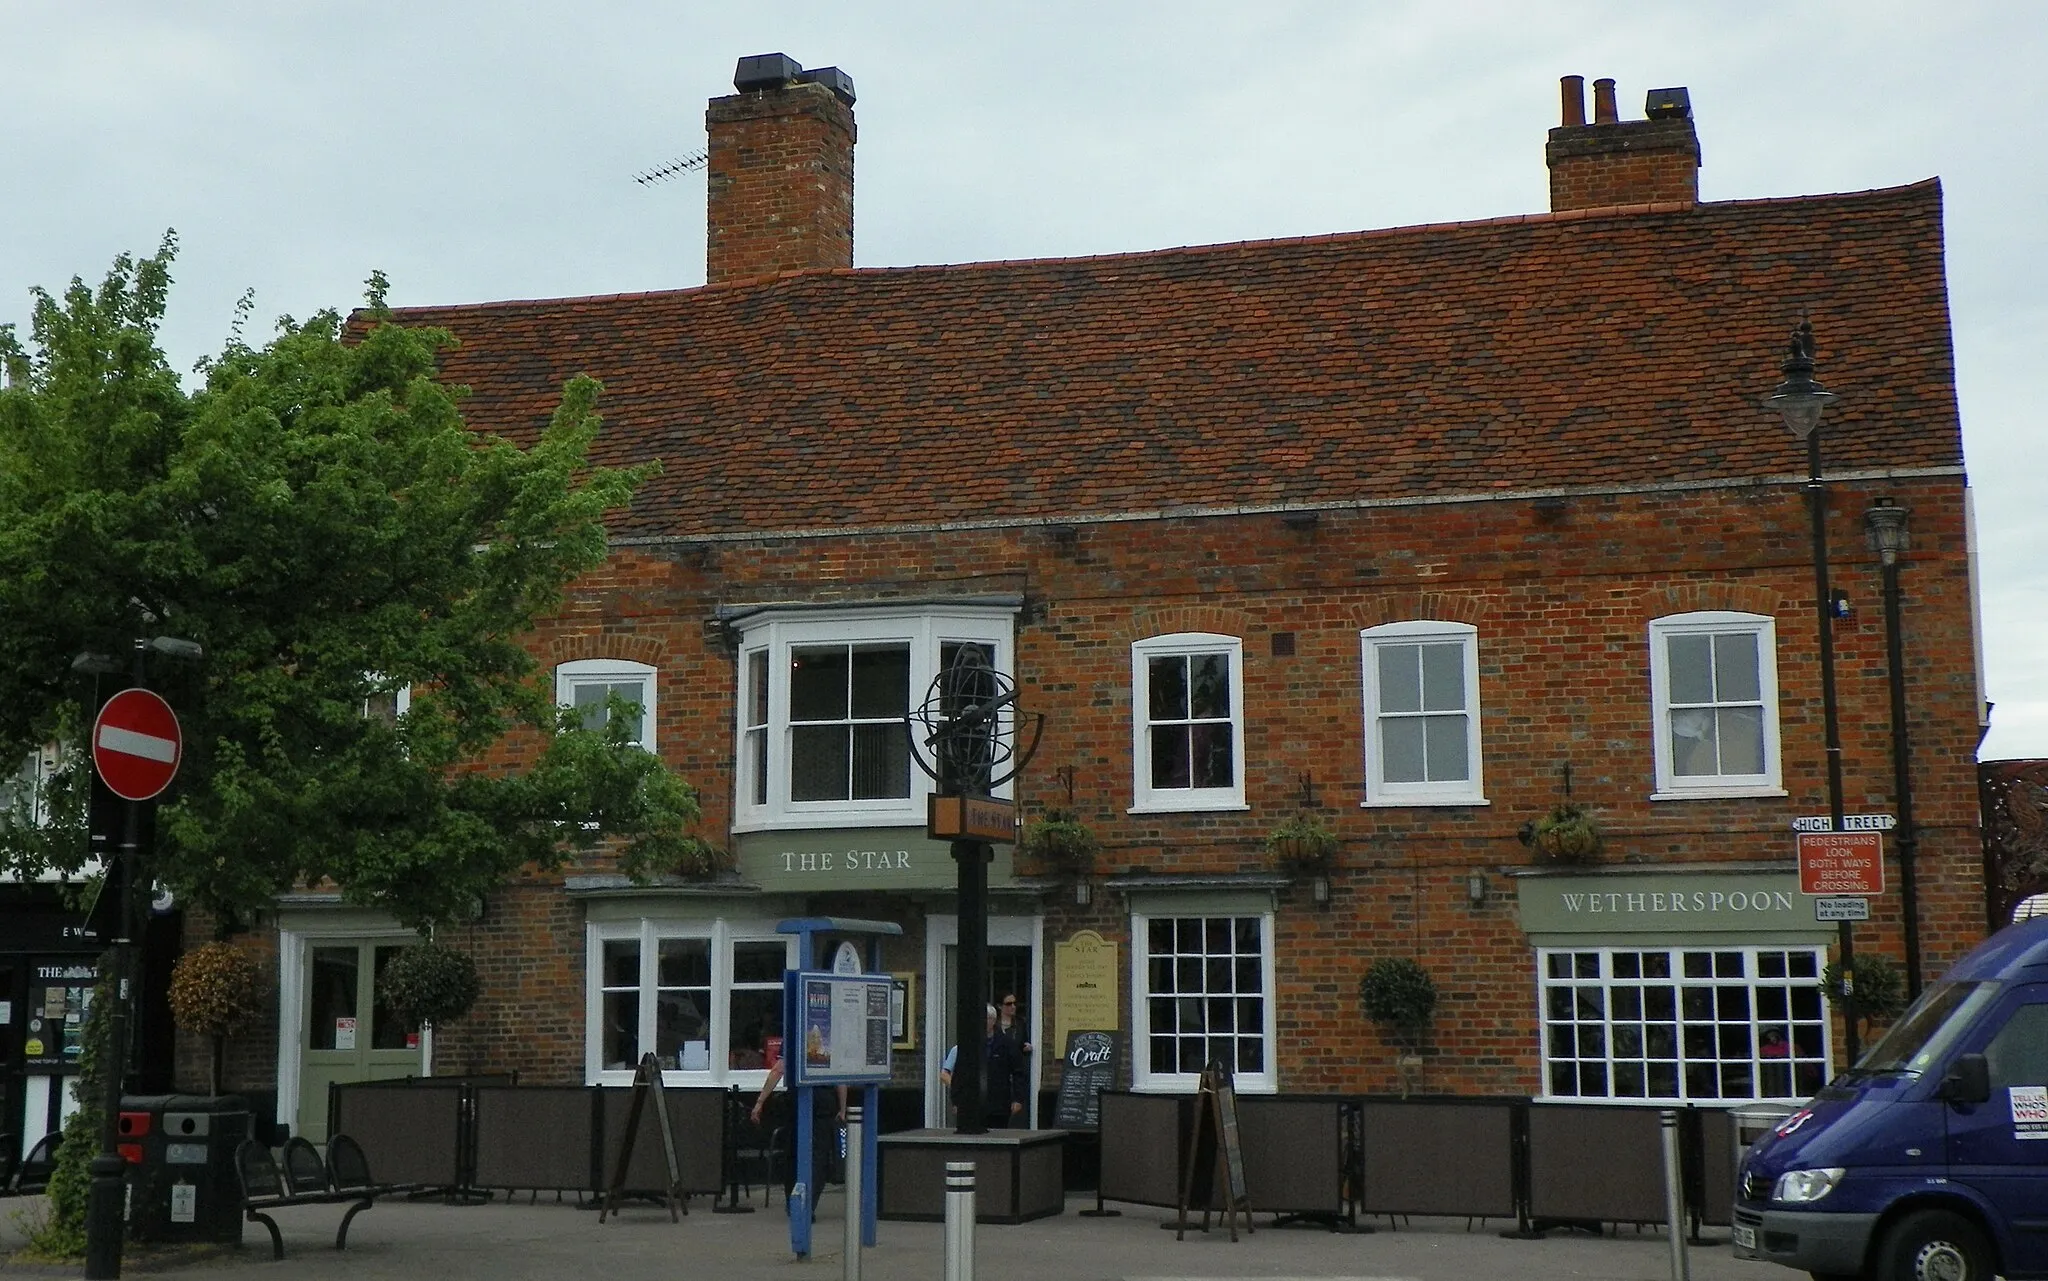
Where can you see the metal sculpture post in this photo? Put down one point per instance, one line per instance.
(964, 736)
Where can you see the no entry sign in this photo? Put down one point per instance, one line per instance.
(136, 744)
(1841, 862)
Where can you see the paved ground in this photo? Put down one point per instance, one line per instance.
(548, 1241)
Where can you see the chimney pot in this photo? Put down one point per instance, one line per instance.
(1573, 90)
(1603, 102)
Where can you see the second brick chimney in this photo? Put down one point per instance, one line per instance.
(1622, 162)
(780, 171)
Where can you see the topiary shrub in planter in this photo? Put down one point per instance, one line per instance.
(1566, 834)
(1880, 987)
(430, 983)
(1061, 839)
(1303, 844)
(1399, 995)
(216, 991)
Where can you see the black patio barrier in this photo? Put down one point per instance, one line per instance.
(1595, 1164)
(1299, 1152)
(538, 1138)
(1447, 1156)
(414, 1131)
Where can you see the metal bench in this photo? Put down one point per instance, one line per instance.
(305, 1179)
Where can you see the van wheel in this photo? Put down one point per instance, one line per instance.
(1935, 1245)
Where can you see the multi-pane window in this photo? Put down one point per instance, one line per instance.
(822, 701)
(588, 684)
(846, 735)
(1188, 730)
(1205, 997)
(704, 997)
(1699, 1024)
(1714, 689)
(1421, 713)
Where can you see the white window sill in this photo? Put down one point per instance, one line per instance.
(1191, 807)
(1189, 1084)
(1417, 802)
(822, 822)
(1733, 791)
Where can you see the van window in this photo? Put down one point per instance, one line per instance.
(2018, 1055)
(1919, 1038)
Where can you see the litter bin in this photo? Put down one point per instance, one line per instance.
(1753, 1122)
(181, 1176)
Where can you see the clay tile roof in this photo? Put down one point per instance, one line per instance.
(1608, 346)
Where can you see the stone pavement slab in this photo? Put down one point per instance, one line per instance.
(411, 1241)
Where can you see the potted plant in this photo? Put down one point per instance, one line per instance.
(1567, 834)
(1399, 995)
(702, 860)
(1880, 991)
(1062, 839)
(216, 991)
(1303, 844)
(430, 983)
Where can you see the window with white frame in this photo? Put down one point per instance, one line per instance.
(1422, 714)
(1187, 722)
(1704, 1024)
(1714, 697)
(587, 683)
(1203, 993)
(821, 706)
(703, 996)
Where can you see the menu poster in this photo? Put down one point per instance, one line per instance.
(53, 1032)
(845, 1029)
(1090, 1069)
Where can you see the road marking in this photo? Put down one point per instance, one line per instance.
(129, 743)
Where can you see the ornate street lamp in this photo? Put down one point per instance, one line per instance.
(1885, 525)
(1799, 400)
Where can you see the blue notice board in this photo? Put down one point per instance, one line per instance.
(842, 1029)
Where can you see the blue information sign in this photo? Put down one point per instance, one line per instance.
(841, 1035)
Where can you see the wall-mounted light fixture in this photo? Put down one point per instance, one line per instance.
(1319, 890)
(1475, 888)
(1084, 894)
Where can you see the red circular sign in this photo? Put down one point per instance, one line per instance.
(136, 744)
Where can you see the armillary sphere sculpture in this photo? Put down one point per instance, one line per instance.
(965, 735)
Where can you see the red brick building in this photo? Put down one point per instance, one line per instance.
(1423, 530)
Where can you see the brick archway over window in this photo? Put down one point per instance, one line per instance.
(1211, 619)
(1692, 598)
(1408, 607)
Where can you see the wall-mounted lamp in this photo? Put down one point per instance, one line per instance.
(1084, 894)
(1475, 888)
(1319, 890)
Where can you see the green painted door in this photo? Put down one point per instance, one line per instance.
(348, 1035)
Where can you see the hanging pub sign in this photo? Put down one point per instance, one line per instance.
(971, 818)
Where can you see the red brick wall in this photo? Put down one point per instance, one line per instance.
(1562, 599)
(1625, 163)
(780, 182)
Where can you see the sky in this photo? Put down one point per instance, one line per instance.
(476, 151)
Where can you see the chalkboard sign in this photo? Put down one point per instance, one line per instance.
(1090, 1069)
(1214, 1155)
(646, 1082)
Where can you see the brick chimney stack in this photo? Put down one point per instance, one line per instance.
(780, 172)
(1622, 162)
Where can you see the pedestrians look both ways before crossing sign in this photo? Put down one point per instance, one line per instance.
(136, 744)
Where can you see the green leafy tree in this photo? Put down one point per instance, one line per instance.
(319, 518)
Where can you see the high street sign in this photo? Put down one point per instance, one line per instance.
(1850, 823)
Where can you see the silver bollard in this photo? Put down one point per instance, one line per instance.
(959, 1221)
(850, 1268)
(1674, 1197)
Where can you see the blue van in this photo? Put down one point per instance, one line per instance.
(1928, 1160)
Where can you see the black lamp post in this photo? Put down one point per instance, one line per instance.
(1885, 525)
(1799, 400)
(107, 1194)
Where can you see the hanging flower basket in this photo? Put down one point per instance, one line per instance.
(1566, 834)
(1061, 839)
(1303, 844)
